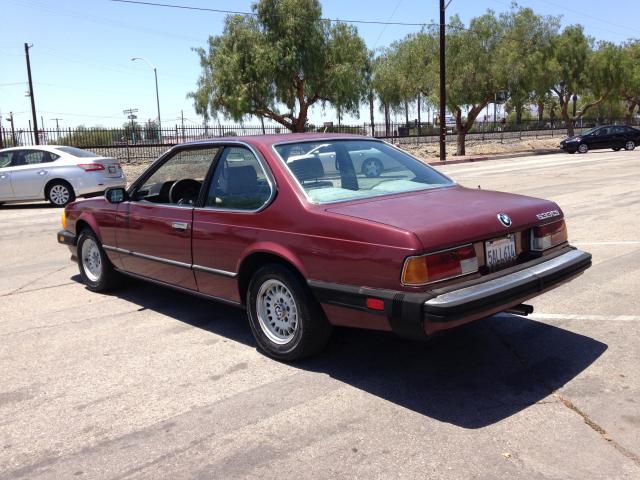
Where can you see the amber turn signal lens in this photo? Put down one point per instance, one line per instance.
(415, 271)
(64, 220)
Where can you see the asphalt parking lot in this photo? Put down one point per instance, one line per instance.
(149, 383)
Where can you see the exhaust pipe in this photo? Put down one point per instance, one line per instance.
(522, 309)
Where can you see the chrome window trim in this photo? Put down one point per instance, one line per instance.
(174, 263)
(273, 188)
(369, 139)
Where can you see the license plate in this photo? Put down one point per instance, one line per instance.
(112, 170)
(500, 252)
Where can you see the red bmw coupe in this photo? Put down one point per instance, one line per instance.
(296, 230)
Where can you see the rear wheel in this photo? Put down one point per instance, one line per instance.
(60, 193)
(629, 145)
(96, 269)
(372, 167)
(287, 322)
(583, 148)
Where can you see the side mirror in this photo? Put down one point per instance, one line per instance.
(116, 195)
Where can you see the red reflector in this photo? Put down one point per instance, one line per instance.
(375, 304)
(91, 167)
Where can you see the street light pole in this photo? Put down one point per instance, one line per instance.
(155, 74)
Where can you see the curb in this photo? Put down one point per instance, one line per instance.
(484, 158)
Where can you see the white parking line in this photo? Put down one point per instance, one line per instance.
(598, 318)
(622, 242)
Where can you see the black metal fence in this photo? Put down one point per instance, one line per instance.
(140, 143)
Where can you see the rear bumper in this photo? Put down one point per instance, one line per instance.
(416, 315)
(96, 186)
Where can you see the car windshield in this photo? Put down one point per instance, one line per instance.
(78, 152)
(340, 170)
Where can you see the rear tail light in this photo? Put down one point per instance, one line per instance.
(440, 266)
(91, 167)
(549, 235)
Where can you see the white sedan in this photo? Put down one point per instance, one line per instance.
(55, 173)
(368, 161)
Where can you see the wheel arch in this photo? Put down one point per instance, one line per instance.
(85, 220)
(50, 183)
(261, 255)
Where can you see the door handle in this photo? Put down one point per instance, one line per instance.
(3, 176)
(179, 225)
(42, 172)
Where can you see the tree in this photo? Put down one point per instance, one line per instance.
(279, 63)
(131, 133)
(630, 78)
(578, 69)
(83, 137)
(473, 73)
(151, 130)
(524, 52)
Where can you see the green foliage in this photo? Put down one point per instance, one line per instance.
(83, 137)
(280, 62)
(151, 130)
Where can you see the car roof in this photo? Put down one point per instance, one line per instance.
(269, 140)
(48, 148)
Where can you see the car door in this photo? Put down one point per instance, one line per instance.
(231, 217)
(602, 138)
(30, 172)
(6, 192)
(153, 229)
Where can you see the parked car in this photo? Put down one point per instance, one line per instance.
(55, 173)
(607, 136)
(366, 160)
(259, 224)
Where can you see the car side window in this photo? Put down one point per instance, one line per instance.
(32, 157)
(179, 179)
(239, 182)
(5, 159)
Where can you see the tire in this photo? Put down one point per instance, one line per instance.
(372, 167)
(629, 145)
(616, 149)
(286, 321)
(96, 269)
(583, 148)
(60, 193)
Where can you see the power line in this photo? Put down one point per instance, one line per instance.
(236, 12)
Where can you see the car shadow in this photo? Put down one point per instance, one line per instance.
(27, 206)
(471, 377)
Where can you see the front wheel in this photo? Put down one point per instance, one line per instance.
(287, 322)
(60, 193)
(629, 145)
(583, 148)
(96, 269)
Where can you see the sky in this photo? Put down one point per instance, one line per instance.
(83, 75)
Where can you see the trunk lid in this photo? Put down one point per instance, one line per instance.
(112, 168)
(446, 217)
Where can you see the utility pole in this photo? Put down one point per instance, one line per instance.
(13, 130)
(33, 102)
(443, 91)
(57, 124)
(182, 117)
(131, 115)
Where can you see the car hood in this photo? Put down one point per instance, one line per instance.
(450, 216)
(568, 139)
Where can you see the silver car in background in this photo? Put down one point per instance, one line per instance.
(58, 174)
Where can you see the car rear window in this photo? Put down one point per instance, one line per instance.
(340, 170)
(78, 152)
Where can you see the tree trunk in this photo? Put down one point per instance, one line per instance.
(419, 122)
(629, 116)
(519, 109)
(462, 137)
(386, 120)
(406, 114)
(373, 127)
(540, 112)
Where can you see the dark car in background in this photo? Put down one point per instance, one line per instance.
(606, 136)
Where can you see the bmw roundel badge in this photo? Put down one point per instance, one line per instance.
(504, 219)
